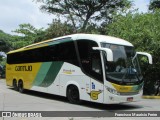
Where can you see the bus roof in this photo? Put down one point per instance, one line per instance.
(94, 37)
(101, 38)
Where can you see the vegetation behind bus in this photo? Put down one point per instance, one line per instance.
(143, 30)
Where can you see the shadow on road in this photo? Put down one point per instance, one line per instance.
(112, 107)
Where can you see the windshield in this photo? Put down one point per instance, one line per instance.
(124, 69)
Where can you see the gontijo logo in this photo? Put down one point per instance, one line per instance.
(23, 68)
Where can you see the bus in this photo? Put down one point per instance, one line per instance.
(89, 67)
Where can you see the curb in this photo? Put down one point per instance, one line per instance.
(151, 97)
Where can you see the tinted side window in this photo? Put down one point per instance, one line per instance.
(28, 56)
(66, 52)
(58, 52)
(90, 59)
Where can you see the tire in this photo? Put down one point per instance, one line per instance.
(73, 94)
(20, 87)
(15, 87)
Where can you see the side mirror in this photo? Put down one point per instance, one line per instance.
(108, 52)
(149, 56)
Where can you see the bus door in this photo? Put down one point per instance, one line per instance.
(96, 85)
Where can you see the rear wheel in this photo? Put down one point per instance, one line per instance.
(73, 94)
(15, 87)
(20, 86)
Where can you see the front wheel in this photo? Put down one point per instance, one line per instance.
(73, 94)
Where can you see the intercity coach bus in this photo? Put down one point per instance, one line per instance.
(88, 67)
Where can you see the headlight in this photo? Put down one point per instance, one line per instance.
(113, 91)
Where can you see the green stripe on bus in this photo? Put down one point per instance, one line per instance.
(42, 73)
(51, 74)
(59, 41)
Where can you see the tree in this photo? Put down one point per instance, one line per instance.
(29, 34)
(5, 46)
(143, 30)
(4, 41)
(82, 12)
(154, 4)
(2, 58)
(58, 28)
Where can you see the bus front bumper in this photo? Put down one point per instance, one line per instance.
(113, 99)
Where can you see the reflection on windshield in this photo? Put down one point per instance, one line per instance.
(124, 68)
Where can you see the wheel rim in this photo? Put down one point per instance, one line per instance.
(74, 94)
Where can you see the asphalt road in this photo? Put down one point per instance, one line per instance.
(11, 100)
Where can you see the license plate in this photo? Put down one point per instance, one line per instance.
(130, 99)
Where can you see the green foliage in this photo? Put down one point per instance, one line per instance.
(4, 41)
(29, 35)
(143, 30)
(82, 12)
(154, 4)
(57, 29)
(1, 58)
(2, 61)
